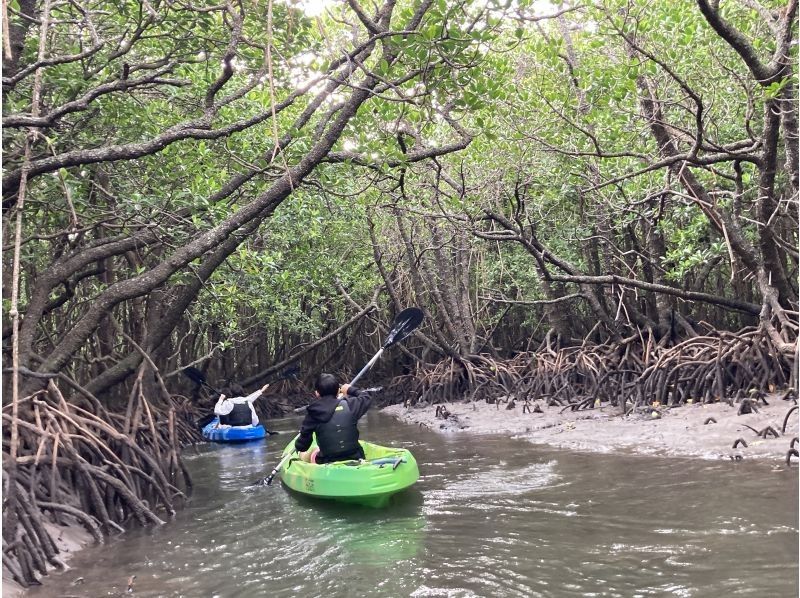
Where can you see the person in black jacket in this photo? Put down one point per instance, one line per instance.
(333, 417)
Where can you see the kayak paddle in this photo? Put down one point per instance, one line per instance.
(404, 324)
(268, 480)
(371, 389)
(197, 376)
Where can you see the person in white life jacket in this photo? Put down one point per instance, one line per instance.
(333, 417)
(238, 410)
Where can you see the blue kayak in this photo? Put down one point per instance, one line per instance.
(214, 432)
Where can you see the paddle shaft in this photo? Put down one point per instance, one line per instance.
(268, 480)
(363, 390)
(208, 386)
(197, 377)
(370, 363)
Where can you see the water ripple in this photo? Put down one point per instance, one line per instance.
(488, 518)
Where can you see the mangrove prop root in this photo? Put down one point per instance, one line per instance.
(633, 373)
(792, 453)
(767, 431)
(710, 420)
(89, 522)
(747, 406)
(79, 464)
(738, 442)
(786, 419)
(12, 564)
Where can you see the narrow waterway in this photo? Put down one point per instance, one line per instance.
(490, 516)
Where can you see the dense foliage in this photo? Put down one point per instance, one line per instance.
(563, 188)
(225, 184)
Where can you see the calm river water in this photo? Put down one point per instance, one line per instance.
(490, 516)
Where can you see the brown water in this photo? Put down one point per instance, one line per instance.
(490, 516)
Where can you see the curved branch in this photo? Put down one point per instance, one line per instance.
(739, 305)
(764, 73)
(82, 103)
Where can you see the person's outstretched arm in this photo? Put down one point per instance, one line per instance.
(254, 395)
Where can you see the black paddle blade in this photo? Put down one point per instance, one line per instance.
(290, 372)
(194, 375)
(404, 324)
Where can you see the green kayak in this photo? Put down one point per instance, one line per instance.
(370, 482)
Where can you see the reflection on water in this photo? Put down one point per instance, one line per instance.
(489, 517)
(367, 537)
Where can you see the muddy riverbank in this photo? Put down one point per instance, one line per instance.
(706, 431)
(68, 539)
(489, 516)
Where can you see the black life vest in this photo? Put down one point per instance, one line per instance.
(239, 416)
(338, 437)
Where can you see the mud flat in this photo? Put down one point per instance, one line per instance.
(705, 431)
(68, 539)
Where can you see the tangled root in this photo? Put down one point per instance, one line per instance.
(83, 465)
(701, 369)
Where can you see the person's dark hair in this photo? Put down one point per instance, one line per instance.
(327, 385)
(233, 390)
